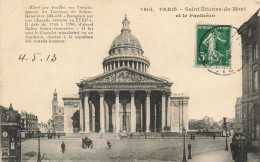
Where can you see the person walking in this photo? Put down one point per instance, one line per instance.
(63, 147)
(189, 147)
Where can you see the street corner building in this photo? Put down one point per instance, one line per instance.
(250, 34)
(126, 97)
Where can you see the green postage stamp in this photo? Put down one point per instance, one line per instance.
(213, 45)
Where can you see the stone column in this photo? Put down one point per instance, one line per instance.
(133, 112)
(118, 64)
(142, 67)
(137, 66)
(107, 117)
(117, 112)
(93, 118)
(169, 110)
(141, 116)
(110, 64)
(102, 113)
(148, 93)
(86, 111)
(163, 110)
(81, 94)
(114, 65)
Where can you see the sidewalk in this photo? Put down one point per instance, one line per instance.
(220, 156)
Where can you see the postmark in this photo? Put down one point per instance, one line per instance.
(218, 49)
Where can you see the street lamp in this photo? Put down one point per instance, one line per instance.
(184, 153)
(39, 152)
(225, 127)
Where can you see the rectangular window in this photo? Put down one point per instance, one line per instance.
(249, 32)
(249, 51)
(255, 80)
(254, 52)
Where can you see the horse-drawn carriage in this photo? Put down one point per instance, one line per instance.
(87, 143)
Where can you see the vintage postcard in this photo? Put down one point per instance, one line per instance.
(130, 80)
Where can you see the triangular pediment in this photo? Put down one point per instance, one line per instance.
(124, 75)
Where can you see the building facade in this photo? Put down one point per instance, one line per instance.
(57, 114)
(250, 34)
(238, 116)
(30, 124)
(10, 134)
(71, 105)
(126, 97)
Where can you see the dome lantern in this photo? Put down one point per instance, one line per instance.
(125, 23)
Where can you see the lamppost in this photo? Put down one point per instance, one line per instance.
(225, 127)
(184, 153)
(39, 152)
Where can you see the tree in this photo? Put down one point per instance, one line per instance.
(75, 120)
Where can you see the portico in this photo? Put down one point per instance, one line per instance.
(135, 103)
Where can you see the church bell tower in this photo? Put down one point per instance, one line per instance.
(54, 103)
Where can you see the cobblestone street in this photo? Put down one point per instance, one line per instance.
(126, 149)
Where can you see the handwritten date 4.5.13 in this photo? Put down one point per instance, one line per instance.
(37, 57)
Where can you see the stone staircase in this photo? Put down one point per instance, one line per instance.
(93, 135)
(141, 135)
(114, 136)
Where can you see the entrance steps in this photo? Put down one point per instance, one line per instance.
(140, 135)
(93, 135)
(114, 136)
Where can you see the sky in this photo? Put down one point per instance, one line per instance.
(168, 41)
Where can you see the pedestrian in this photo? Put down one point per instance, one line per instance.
(190, 136)
(213, 136)
(63, 147)
(189, 147)
(109, 144)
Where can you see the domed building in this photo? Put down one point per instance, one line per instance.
(126, 50)
(125, 97)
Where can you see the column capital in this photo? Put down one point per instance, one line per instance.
(148, 93)
(86, 93)
(164, 93)
(132, 93)
(101, 93)
(81, 94)
(169, 93)
(117, 93)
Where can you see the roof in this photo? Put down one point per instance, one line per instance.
(3, 108)
(124, 75)
(71, 96)
(247, 22)
(125, 39)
